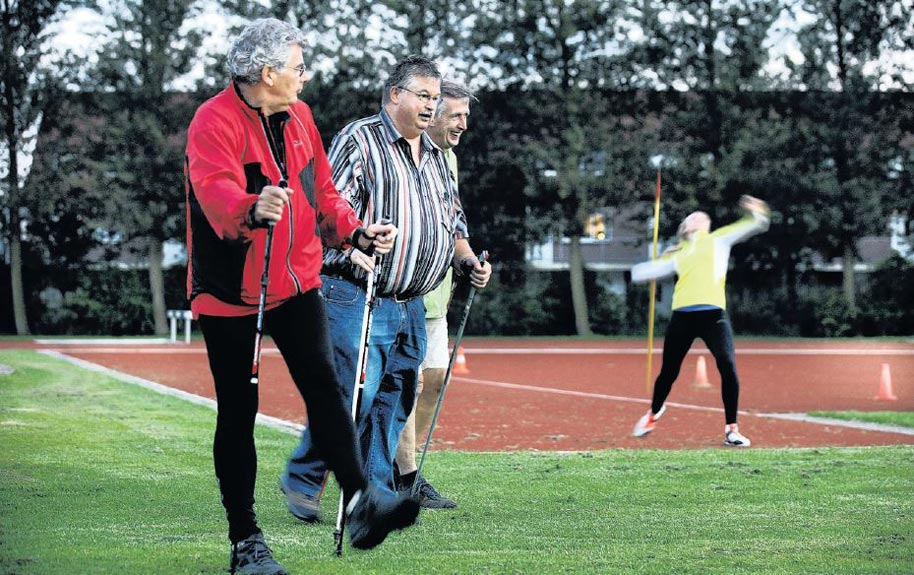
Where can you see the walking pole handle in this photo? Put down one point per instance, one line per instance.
(262, 303)
(482, 257)
(369, 251)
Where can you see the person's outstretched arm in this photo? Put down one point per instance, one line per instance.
(756, 221)
(657, 269)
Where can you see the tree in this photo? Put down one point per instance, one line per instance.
(146, 49)
(349, 41)
(60, 214)
(562, 48)
(23, 29)
(708, 51)
(846, 50)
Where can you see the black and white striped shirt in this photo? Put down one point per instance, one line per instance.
(373, 168)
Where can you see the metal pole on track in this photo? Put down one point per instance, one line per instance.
(653, 298)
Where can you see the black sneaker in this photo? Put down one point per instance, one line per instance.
(430, 498)
(373, 514)
(251, 556)
(302, 506)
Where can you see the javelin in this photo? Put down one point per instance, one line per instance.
(650, 313)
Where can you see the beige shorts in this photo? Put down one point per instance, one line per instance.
(436, 353)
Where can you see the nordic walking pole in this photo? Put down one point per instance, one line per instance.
(447, 376)
(261, 305)
(362, 364)
(650, 313)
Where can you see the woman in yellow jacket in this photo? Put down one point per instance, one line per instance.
(700, 261)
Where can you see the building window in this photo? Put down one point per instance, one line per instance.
(596, 227)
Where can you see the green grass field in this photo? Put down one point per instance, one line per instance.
(99, 476)
(902, 418)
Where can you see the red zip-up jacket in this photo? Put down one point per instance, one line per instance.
(228, 163)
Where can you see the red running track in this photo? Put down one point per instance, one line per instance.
(570, 395)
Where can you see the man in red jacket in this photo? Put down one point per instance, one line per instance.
(255, 159)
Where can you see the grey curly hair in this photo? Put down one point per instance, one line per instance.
(263, 42)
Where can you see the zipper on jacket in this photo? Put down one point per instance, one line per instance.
(281, 165)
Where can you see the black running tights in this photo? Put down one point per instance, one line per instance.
(299, 329)
(713, 327)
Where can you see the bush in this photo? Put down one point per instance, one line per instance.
(824, 313)
(761, 313)
(105, 302)
(608, 314)
(888, 308)
(531, 309)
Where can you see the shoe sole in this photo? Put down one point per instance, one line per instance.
(437, 504)
(310, 518)
(729, 444)
(404, 516)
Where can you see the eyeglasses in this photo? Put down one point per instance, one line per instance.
(423, 97)
(300, 69)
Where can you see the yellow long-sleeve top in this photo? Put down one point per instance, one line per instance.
(701, 263)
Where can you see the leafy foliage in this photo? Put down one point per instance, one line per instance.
(23, 90)
(577, 98)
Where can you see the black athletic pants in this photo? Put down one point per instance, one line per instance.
(713, 327)
(299, 329)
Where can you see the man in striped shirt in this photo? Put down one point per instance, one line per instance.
(448, 125)
(387, 167)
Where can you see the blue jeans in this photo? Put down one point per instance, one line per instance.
(395, 350)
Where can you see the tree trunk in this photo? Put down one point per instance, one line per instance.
(850, 293)
(16, 285)
(578, 293)
(157, 287)
(790, 287)
(22, 321)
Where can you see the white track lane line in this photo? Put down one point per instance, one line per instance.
(555, 391)
(267, 420)
(528, 351)
(883, 427)
(295, 428)
(643, 351)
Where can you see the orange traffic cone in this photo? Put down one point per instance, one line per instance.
(701, 374)
(460, 366)
(885, 385)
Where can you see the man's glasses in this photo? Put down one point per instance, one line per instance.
(423, 97)
(300, 69)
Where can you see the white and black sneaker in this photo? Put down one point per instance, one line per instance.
(648, 422)
(734, 438)
(251, 556)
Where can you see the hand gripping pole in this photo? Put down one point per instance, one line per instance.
(261, 305)
(362, 364)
